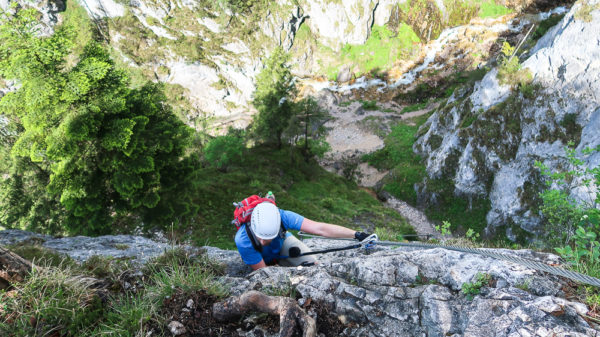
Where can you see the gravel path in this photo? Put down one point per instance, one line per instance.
(349, 139)
(415, 218)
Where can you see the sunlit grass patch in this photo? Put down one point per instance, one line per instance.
(490, 9)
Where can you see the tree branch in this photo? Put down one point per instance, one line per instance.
(291, 316)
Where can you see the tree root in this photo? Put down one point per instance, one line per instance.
(290, 314)
(13, 268)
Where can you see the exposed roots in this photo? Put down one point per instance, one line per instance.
(291, 316)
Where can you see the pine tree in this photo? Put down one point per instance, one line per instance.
(306, 128)
(101, 152)
(273, 99)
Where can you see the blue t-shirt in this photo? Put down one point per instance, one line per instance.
(290, 220)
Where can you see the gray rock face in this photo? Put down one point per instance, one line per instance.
(486, 139)
(283, 29)
(568, 56)
(389, 292)
(338, 23)
(81, 248)
(410, 292)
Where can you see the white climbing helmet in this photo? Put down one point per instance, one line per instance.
(265, 221)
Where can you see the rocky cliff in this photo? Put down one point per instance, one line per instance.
(211, 55)
(389, 292)
(485, 139)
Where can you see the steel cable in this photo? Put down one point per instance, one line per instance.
(575, 276)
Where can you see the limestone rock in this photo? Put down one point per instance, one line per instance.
(81, 248)
(412, 292)
(176, 328)
(487, 138)
(338, 23)
(402, 291)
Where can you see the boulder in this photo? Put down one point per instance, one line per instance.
(344, 75)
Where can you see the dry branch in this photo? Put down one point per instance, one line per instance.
(291, 316)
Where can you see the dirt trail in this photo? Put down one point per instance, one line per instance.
(355, 131)
(415, 218)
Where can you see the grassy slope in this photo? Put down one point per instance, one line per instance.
(303, 188)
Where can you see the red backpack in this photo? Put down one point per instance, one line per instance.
(243, 212)
(243, 209)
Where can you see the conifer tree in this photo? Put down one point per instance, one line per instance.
(91, 150)
(306, 128)
(273, 99)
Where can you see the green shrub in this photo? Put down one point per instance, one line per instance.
(573, 225)
(444, 228)
(509, 68)
(528, 90)
(414, 107)
(369, 105)
(91, 151)
(222, 152)
(470, 289)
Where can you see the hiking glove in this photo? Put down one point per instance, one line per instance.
(361, 235)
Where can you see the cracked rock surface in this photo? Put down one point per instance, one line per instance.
(414, 292)
(402, 291)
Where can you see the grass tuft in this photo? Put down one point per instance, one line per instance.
(51, 299)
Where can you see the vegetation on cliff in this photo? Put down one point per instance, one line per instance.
(86, 154)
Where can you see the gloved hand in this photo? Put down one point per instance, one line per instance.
(360, 236)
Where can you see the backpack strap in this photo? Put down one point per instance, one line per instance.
(282, 231)
(257, 246)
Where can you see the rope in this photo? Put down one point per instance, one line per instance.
(575, 276)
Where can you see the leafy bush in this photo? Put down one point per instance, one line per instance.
(574, 224)
(470, 289)
(90, 151)
(223, 151)
(369, 105)
(444, 228)
(509, 68)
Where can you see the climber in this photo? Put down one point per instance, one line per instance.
(265, 239)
